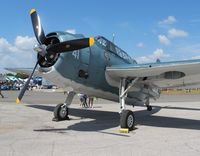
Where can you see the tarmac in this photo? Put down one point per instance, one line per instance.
(171, 128)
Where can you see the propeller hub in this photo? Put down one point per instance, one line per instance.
(40, 49)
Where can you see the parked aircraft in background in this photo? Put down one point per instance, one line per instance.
(97, 67)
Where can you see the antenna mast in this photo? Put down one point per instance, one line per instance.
(113, 39)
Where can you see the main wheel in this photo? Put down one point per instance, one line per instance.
(61, 112)
(127, 119)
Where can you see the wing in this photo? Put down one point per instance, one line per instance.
(24, 71)
(163, 75)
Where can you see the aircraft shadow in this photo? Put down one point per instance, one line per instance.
(103, 120)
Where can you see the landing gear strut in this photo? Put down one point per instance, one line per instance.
(147, 103)
(127, 119)
(61, 111)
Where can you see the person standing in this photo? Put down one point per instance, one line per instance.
(83, 100)
(91, 101)
(0, 90)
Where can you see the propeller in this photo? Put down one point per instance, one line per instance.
(37, 27)
(57, 48)
(21, 94)
(71, 45)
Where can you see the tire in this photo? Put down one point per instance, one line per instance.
(60, 113)
(127, 120)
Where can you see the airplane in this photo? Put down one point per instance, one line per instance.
(97, 67)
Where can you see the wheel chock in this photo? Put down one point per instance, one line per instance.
(124, 130)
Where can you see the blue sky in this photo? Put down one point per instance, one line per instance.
(146, 30)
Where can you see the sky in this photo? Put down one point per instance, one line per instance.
(145, 29)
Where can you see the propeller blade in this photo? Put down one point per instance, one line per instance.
(37, 27)
(21, 94)
(71, 45)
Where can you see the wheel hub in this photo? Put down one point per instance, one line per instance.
(130, 121)
(63, 112)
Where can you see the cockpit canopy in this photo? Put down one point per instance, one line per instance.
(108, 45)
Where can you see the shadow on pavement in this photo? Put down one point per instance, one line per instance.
(102, 120)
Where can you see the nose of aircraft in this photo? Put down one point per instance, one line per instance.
(49, 52)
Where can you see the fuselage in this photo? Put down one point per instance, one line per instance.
(83, 71)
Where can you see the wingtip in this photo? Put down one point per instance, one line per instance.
(18, 101)
(92, 41)
(32, 11)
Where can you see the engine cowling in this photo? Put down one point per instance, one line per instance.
(50, 58)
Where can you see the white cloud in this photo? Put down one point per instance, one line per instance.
(18, 54)
(140, 45)
(71, 31)
(169, 20)
(157, 54)
(174, 33)
(4, 45)
(24, 42)
(196, 57)
(144, 59)
(163, 40)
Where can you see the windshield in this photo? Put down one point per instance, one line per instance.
(106, 44)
